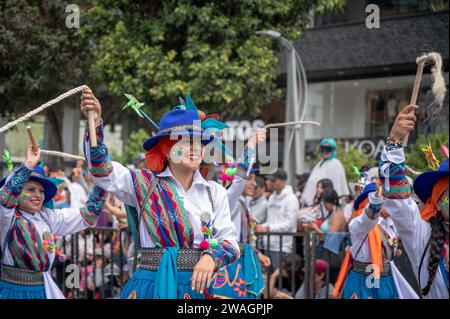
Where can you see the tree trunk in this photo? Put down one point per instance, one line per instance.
(53, 136)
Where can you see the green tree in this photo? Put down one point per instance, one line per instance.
(134, 145)
(158, 50)
(39, 58)
(415, 158)
(350, 158)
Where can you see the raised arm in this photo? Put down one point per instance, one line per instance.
(361, 225)
(67, 221)
(110, 176)
(245, 164)
(413, 230)
(11, 190)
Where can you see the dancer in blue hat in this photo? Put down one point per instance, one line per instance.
(28, 230)
(424, 232)
(185, 233)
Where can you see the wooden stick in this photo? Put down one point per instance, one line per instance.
(91, 126)
(291, 124)
(34, 145)
(415, 92)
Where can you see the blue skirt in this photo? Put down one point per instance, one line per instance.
(355, 287)
(165, 283)
(12, 291)
(143, 286)
(240, 280)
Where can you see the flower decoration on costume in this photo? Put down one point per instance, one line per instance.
(49, 243)
(207, 230)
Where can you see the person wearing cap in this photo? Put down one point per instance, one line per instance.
(281, 217)
(328, 167)
(424, 231)
(258, 203)
(320, 289)
(370, 258)
(28, 230)
(183, 223)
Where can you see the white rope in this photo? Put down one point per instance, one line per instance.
(61, 154)
(291, 124)
(43, 107)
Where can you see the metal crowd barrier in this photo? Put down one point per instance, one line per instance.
(78, 276)
(305, 255)
(80, 251)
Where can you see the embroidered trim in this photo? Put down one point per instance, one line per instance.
(166, 220)
(396, 185)
(100, 159)
(10, 192)
(94, 205)
(25, 245)
(223, 254)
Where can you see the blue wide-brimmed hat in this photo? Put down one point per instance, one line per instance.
(423, 185)
(38, 175)
(179, 122)
(372, 187)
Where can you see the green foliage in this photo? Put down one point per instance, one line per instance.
(158, 50)
(133, 146)
(351, 158)
(39, 56)
(415, 158)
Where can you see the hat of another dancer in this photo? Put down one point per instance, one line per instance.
(424, 183)
(372, 187)
(38, 175)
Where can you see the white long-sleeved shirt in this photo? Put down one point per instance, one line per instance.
(258, 209)
(282, 217)
(59, 222)
(234, 196)
(359, 228)
(414, 232)
(119, 183)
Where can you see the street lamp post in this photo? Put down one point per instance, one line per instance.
(296, 98)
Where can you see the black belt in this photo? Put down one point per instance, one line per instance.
(21, 276)
(363, 268)
(187, 258)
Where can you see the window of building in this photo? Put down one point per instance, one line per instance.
(365, 109)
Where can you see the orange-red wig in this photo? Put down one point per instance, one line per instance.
(157, 157)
